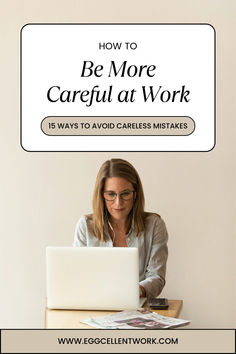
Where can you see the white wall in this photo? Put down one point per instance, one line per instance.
(43, 194)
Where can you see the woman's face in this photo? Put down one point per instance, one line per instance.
(118, 208)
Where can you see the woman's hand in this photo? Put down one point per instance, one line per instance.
(142, 291)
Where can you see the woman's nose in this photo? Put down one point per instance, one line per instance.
(118, 200)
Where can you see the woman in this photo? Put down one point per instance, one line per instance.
(119, 220)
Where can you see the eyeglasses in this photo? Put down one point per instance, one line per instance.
(110, 195)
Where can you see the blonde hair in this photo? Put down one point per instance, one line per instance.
(123, 169)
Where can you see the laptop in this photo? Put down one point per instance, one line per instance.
(93, 278)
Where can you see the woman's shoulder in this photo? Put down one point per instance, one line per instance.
(155, 223)
(150, 216)
(84, 221)
(154, 219)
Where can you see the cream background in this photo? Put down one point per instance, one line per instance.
(43, 194)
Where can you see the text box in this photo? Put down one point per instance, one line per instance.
(125, 70)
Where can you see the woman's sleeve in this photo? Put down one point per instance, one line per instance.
(81, 229)
(156, 269)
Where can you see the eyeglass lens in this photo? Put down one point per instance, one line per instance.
(126, 195)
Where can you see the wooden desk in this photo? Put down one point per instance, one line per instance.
(71, 318)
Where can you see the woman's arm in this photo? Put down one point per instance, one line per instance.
(156, 269)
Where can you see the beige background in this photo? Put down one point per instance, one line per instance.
(43, 194)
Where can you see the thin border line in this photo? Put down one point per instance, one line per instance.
(129, 24)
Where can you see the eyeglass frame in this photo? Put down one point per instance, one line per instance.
(116, 194)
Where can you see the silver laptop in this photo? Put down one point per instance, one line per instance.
(93, 278)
